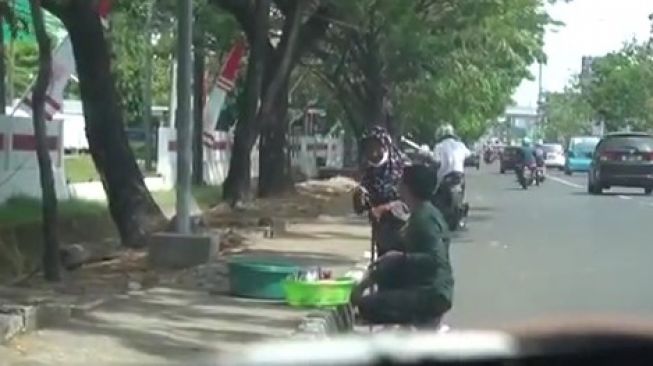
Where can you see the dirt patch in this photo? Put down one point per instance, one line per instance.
(21, 246)
(237, 228)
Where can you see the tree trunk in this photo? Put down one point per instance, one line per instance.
(133, 210)
(274, 161)
(198, 109)
(48, 193)
(238, 182)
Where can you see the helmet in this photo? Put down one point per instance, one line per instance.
(446, 130)
(526, 142)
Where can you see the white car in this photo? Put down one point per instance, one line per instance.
(554, 156)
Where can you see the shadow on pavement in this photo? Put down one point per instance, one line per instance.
(176, 325)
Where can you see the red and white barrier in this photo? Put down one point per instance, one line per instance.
(305, 154)
(217, 156)
(19, 170)
(309, 153)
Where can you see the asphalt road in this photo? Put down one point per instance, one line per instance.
(551, 252)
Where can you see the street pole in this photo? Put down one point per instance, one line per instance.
(539, 122)
(147, 88)
(3, 71)
(184, 114)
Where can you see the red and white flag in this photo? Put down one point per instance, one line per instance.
(223, 84)
(63, 67)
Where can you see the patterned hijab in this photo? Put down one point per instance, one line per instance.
(382, 182)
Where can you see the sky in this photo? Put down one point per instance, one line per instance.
(592, 28)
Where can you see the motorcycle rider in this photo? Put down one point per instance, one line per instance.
(449, 154)
(526, 156)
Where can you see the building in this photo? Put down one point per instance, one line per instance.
(587, 69)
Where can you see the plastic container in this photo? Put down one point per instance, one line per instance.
(321, 293)
(259, 278)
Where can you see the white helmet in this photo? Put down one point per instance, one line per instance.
(446, 130)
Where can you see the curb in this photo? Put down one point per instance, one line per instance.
(327, 322)
(16, 319)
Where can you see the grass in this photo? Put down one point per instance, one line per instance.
(23, 210)
(80, 168)
(205, 196)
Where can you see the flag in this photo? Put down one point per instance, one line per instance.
(63, 67)
(223, 84)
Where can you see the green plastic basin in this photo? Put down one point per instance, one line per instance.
(259, 278)
(321, 293)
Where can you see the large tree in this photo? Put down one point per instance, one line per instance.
(621, 88)
(291, 27)
(567, 113)
(410, 66)
(133, 210)
(49, 196)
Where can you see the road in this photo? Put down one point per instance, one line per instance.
(551, 251)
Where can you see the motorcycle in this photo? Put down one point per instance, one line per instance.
(449, 198)
(526, 175)
(449, 195)
(489, 156)
(539, 175)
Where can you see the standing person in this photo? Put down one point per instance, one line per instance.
(382, 165)
(415, 283)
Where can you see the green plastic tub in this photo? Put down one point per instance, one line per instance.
(259, 278)
(321, 293)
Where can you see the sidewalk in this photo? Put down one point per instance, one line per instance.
(168, 325)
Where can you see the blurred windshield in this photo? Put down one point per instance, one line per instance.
(194, 178)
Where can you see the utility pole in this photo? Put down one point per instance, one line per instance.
(540, 101)
(184, 114)
(3, 70)
(147, 87)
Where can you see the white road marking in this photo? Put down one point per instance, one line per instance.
(624, 197)
(565, 182)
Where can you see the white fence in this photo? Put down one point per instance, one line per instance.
(216, 157)
(19, 170)
(308, 153)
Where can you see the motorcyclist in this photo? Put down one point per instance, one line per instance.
(449, 154)
(540, 154)
(415, 282)
(526, 158)
(526, 155)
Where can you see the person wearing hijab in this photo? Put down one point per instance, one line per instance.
(382, 167)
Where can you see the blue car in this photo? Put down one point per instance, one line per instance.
(579, 154)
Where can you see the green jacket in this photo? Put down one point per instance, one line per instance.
(426, 240)
(425, 263)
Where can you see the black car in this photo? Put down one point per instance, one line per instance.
(622, 159)
(509, 157)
